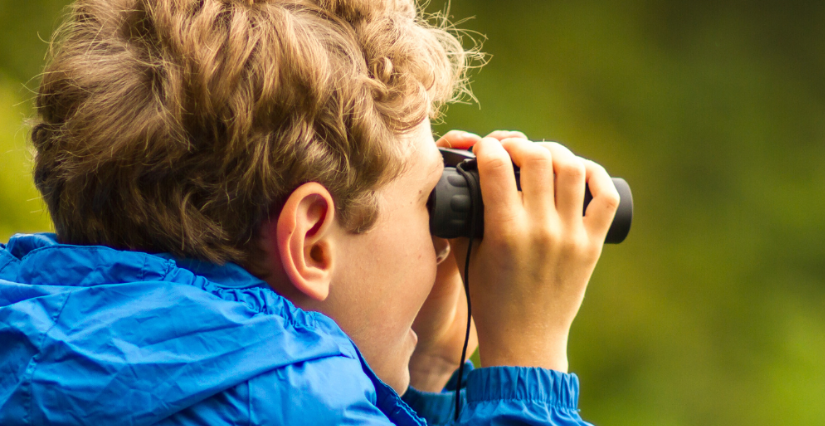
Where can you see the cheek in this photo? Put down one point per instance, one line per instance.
(407, 259)
(412, 266)
(390, 271)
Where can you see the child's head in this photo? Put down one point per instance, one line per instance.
(180, 125)
(188, 126)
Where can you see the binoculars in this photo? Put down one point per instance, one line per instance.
(457, 209)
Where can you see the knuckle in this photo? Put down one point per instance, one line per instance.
(612, 200)
(538, 158)
(546, 233)
(503, 236)
(594, 249)
(495, 164)
(591, 252)
(497, 134)
(572, 168)
(572, 244)
(599, 169)
(557, 147)
(490, 155)
(548, 237)
(586, 248)
(512, 140)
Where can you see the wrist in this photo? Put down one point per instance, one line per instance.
(430, 372)
(545, 351)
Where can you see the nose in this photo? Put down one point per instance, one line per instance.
(442, 249)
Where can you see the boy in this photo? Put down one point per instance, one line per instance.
(239, 191)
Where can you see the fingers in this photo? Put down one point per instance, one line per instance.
(506, 134)
(602, 209)
(570, 181)
(498, 183)
(553, 183)
(536, 164)
(552, 178)
(458, 139)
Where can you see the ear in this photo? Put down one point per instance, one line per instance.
(304, 235)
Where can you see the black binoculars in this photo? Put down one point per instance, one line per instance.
(457, 210)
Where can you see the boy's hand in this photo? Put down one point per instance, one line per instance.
(529, 273)
(441, 323)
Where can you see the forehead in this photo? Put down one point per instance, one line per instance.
(423, 154)
(422, 161)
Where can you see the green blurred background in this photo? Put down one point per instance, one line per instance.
(712, 311)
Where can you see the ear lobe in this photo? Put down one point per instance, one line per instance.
(305, 239)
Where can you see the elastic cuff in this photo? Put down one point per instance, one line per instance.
(523, 383)
(437, 408)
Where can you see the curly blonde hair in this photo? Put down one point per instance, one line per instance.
(179, 126)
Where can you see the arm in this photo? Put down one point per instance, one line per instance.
(441, 323)
(528, 276)
(517, 395)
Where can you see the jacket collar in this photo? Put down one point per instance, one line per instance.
(90, 265)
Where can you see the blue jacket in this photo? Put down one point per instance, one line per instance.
(93, 335)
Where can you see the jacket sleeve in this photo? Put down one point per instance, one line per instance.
(505, 396)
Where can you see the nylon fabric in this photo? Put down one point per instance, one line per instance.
(94, 335)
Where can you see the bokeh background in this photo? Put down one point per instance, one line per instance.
(713, 310)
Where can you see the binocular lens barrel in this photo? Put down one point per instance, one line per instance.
(456, 199)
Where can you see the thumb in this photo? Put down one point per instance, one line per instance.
(458, 139)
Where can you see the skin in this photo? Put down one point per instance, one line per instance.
(397, 291)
